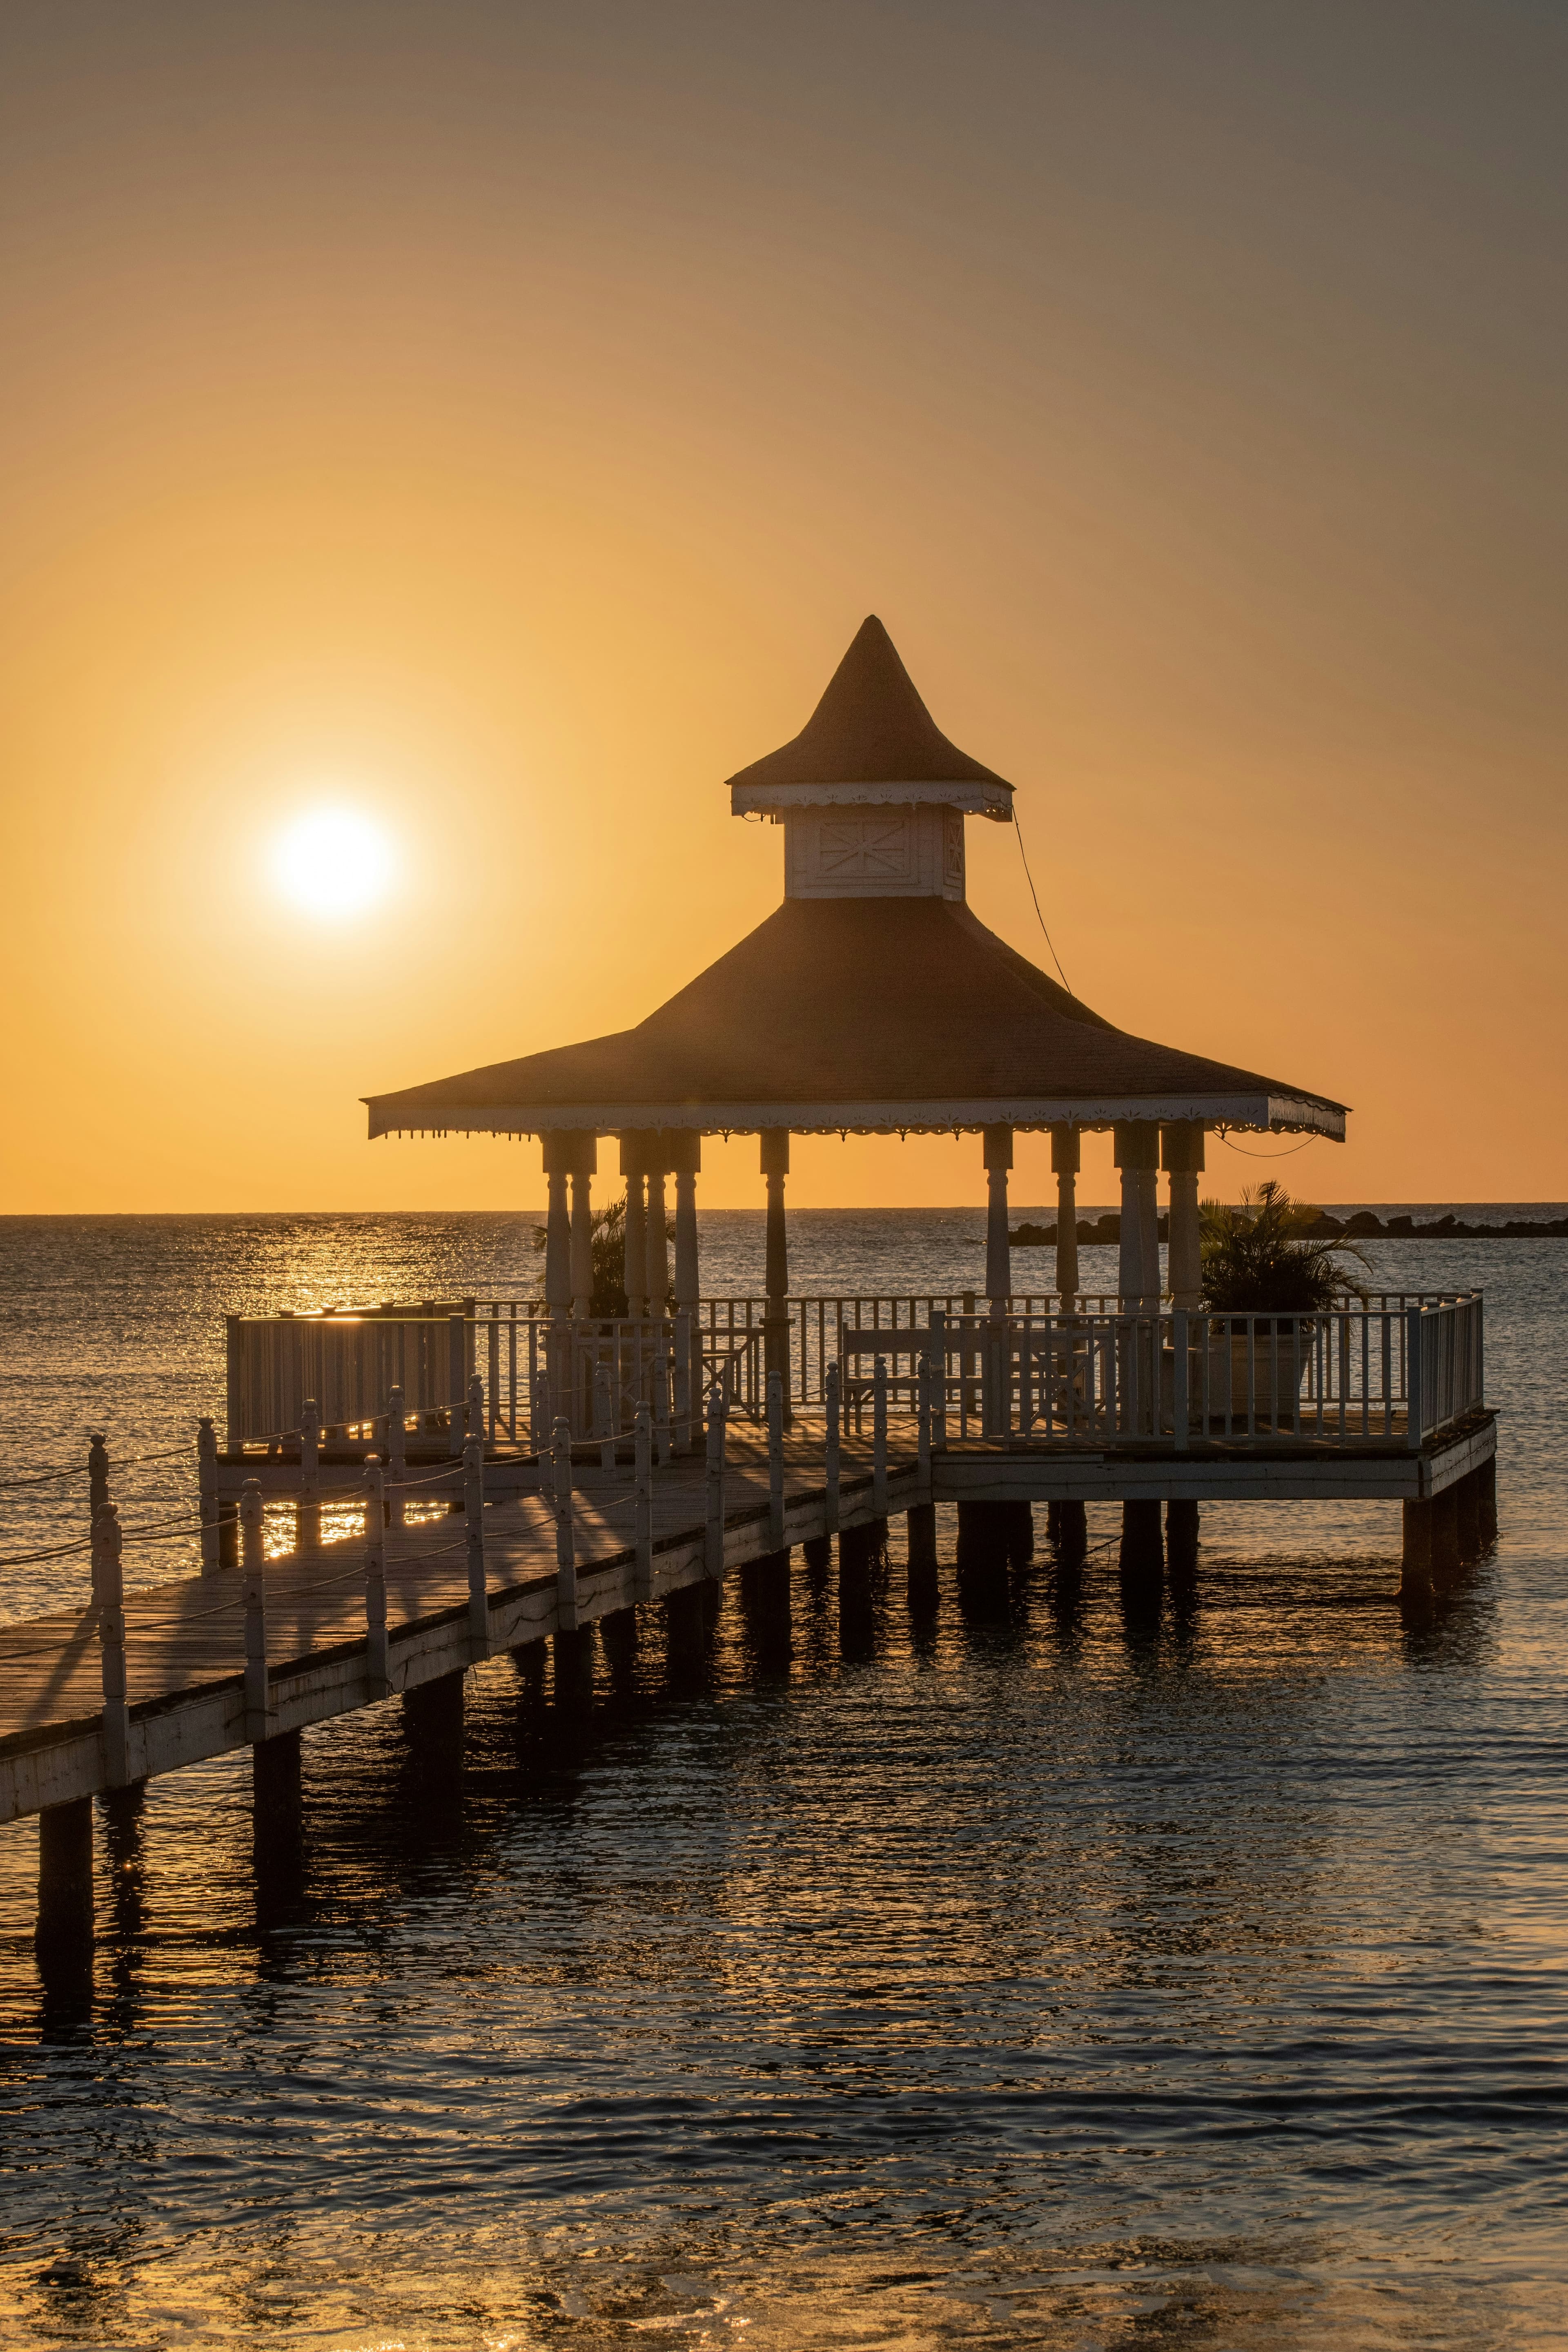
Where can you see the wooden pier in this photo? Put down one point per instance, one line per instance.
(518, 1549)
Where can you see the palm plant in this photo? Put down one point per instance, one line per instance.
(1258, 1258)
(609, 1296)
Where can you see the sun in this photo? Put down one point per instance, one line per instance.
(334, 862)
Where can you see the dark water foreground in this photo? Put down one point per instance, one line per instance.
(1030, 1970)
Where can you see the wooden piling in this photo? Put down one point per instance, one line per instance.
(433, 1718)
(1143, 1551)
(1416, 1548)
(921, 1538)
(1069, 1530)
(1445, 1533)
(1467, 1518)
(1182, 1535)
(277, 1800)
(1486, 1500)
(63, 1934)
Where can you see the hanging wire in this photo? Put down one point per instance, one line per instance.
(1242, 1149)
(1035, 897)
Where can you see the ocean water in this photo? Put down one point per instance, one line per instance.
(1046, 1975)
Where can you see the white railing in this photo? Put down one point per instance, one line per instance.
(1368, 1372)
(1053, 1371)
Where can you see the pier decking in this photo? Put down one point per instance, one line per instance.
(186, 1641)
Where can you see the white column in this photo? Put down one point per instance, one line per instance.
(633, 1170)
(656, 1245)
(1181, 1150)
(998, 1141)
(684, 1151)
(686, 1157)
(1065, 1161)
(585, 1162)
(557, 1230)
(1138, 1157)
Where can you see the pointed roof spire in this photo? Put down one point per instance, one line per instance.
(871, 727)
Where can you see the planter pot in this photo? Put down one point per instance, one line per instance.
(1277, 1377)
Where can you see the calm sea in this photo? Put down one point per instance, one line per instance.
(1041, 1978)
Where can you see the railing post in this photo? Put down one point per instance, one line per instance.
(880, 1437)
(310, 1514)
(605, 1414)
(207, 1487)
(253, 1563)
(456, 1381)
(923, 1406)
(233, 1335)
(474, 1531)
(661, 1407)
(97, 1496)
(566, 1544)
(938, 1364)
(1413, 1399)
(1181, 1423)
(396, 1452)
(713, 1547)
(642, 1512)
(775, 1462)
(831, 1451)
(109, 1584)
(377, 1668)
(685, 1381)
(475, 1422)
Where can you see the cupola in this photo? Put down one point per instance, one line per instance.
(871, 795)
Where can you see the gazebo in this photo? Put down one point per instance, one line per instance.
(871, 1001)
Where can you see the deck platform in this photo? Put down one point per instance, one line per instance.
(185, 1637)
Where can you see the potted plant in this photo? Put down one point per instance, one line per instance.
(1261, 1260)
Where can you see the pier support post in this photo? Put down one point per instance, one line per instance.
(817, 1553)
(992, 1536)
(1486, 1498)
(277, 1804)
(686, 1627)
(433, 1718)
(574, 1657)
(1416, 1548)
(63, 1937)
(1068, 1527)
(1143, 1551)
(921, 1534)
(1467, 1518)
(1445, 1532)
(1181, 1537)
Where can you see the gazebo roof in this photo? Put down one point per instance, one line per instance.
(869, 728)
(887, 1014)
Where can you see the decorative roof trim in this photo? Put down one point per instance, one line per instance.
(995, 801)
(1257, 1114)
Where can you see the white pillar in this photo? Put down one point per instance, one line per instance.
(686, 1158)
(585, 1160)
(657, 1246)
(634, 1168)
(683, 1147)
(557, 1230)
(998, 1141)
(1065, 1161)
(1138, 1157)
(1181, 1150)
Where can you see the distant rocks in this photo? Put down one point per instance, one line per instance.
(1364, 1225)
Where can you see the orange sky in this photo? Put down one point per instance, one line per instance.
(500, 418)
